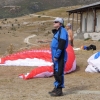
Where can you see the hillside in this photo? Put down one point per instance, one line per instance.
(12, 8)
(33, 31)
(18, 31)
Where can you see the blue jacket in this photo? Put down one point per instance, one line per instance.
(59, 44)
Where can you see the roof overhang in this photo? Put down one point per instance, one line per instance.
(84, 8)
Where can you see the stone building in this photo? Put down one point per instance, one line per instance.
(89, 16)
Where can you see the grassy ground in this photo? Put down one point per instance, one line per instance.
(79, 85)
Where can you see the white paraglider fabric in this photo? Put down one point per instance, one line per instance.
(28, 62)
(28, 58)
(93, 63)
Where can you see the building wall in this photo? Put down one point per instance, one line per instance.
(98, 21)
(90, 22)
(83, 22)
(87, 22)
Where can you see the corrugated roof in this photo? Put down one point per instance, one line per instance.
(91, 5)
(97, 4)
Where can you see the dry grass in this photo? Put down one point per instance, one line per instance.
(13, 88)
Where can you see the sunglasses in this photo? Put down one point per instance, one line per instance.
(56, 22)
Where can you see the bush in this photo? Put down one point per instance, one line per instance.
(13, 28)
(5, 19)
(0, 27)
(39, 16)
(16, 20)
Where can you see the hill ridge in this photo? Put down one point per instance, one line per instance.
(22, 7)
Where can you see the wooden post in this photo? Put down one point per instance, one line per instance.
(68, 17)
(77, 21)
(94, 20)
(72, 21)
(80, 21)
(87, 20)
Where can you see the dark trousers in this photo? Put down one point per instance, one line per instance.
(59, 72)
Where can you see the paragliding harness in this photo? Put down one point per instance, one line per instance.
(91, 47)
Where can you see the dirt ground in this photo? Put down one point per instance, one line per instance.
(79, 85)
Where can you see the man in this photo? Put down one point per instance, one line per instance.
(59, 55)
(70, 34)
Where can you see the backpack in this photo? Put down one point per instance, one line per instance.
(91, 47)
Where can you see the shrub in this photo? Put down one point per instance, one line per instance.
(39, 16)
(0, 27)
(16, 20)
(5, 19)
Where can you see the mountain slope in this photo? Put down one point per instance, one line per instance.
(12, 8)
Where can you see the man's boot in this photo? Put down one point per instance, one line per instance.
(58, 92)
(53, 91)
